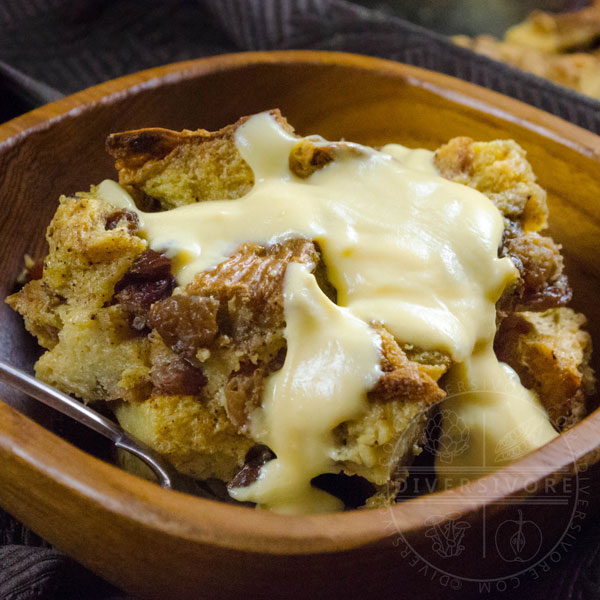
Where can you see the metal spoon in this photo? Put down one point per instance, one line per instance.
(166, 475)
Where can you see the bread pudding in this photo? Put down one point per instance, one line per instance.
(562, 47)
(263, 308)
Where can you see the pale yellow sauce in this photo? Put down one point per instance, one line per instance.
(332, 355)
(402, 246)
(489, 420)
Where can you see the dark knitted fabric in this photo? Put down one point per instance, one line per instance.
(49, 48)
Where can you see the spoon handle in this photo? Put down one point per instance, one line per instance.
(83, 414)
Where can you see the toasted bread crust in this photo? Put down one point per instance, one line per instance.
(543, 282)
(402, 378)
(550, 352)
(177, 168)
(499, 170)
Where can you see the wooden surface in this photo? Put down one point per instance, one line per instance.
(160, 544)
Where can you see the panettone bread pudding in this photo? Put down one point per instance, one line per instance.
(562, 47)
(263, 308)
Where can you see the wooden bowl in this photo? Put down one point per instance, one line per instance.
(160, 544)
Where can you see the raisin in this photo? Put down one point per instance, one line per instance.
(113, 220)
(148, 280)
(256, 458)
(176, 376)
(185, 323)
(148, 266)
(36, 271)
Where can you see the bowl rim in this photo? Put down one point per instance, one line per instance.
(239, 528)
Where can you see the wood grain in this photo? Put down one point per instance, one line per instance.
(160, 544)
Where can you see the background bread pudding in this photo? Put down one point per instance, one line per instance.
(561, 47)
(185, 365)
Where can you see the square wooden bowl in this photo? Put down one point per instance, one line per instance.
(160, 544)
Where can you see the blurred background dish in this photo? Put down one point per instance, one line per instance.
(470, 17)
(562, 47)
(554, 39)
